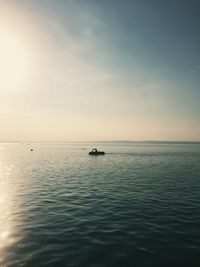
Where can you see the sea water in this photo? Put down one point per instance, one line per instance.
(138, 205)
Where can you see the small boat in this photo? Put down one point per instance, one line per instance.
(95, 152)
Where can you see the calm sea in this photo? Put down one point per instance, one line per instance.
(138, 205)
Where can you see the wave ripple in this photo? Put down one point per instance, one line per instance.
(60, 207)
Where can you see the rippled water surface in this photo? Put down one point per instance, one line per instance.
(138, 205)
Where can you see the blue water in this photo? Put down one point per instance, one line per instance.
(138, 205)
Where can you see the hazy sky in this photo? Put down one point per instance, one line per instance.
(99, 70)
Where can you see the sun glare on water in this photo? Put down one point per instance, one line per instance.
(13, 62)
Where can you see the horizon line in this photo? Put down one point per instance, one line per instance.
(103, 141)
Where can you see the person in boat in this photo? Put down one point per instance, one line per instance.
(95, 152)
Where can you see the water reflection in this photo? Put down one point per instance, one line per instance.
(60, 207)
(6, 201)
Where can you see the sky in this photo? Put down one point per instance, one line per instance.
(87, 70)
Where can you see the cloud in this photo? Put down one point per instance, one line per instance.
(87, 82)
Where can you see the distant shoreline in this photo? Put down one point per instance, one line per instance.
(152, 142)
